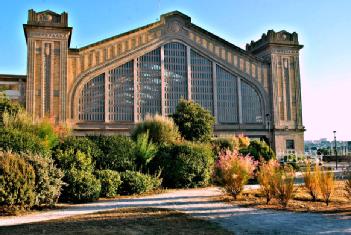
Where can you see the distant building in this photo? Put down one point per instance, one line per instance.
(108, 86)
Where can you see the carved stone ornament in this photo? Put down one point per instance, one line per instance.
(174, 27)
(49, 35)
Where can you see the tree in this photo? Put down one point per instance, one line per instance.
(259, 149)
(195, 123)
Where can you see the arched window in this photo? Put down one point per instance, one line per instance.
(201, 80)
(251, 104)
(175, 75)
(92, 100)
(227, 96)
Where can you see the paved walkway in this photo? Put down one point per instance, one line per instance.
(198, 203)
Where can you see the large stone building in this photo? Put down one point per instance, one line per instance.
(107, 86)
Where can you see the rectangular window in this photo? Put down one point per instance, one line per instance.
(290, 144)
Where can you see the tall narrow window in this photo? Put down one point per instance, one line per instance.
(201, 81)
(227, 96)
(149, 83)
(121, 93)
(92, 100)
(251, 104)
(175, 75)
(47, 78)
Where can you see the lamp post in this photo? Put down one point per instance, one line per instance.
(336, 152)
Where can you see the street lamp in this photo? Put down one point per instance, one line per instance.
(336, 152)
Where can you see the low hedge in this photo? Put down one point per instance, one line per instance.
(81, 186)
(110, 182)
(134, 182)
(184, 165)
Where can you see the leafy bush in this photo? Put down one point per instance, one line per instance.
(326, 185)
(17, 183)
(81, 144)
(70, 158)
(184, 165)
(6, 105)
(110, 182)
(221, 144)
(82, 186)
(162, 130)
(19, 141)
(240, 142)
(43, 128)
(311, 179)
(259, 150)
(145, 150)
(265, 177)
(284, 184)
(117, 153)
(134, 182)
(233, 170)
(195, 123)
(48, 180)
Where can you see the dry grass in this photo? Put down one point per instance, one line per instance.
(300, 203)
(122, 221)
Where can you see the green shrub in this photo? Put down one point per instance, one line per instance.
(184, 165)
(134, 182)
(19, 141)
(195, 123)
(81, 144)
(145, 150)
(233, 171)
(117, 153)
(48, 180)
(110, 182)
(81, 186)
(162, 130)
(259, 150)
(70, 158)
(221, 144)
(17, 183)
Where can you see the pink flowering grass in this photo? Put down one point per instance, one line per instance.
(233, 170)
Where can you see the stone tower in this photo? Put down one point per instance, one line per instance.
(48, 38)
(281, 50)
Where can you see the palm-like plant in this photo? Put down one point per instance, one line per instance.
(145, 150)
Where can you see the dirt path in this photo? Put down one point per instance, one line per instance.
(198, 203)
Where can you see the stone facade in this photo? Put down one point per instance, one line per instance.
(58, 76)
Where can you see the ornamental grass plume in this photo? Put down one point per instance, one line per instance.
(311, 180)
(265, 178)
(326, 184)
(233, 170)
(348, 183)
(284, 185)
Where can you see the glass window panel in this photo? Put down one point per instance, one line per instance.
(149, 82)
(251, 104)
(92, 100)
(227, 96)
(175, 75)
(201, 81)
(121, 93)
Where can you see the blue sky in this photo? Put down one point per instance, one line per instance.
(324, 27)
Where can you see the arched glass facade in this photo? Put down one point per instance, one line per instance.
(154, 83)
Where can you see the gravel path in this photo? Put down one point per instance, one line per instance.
(198, 203)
